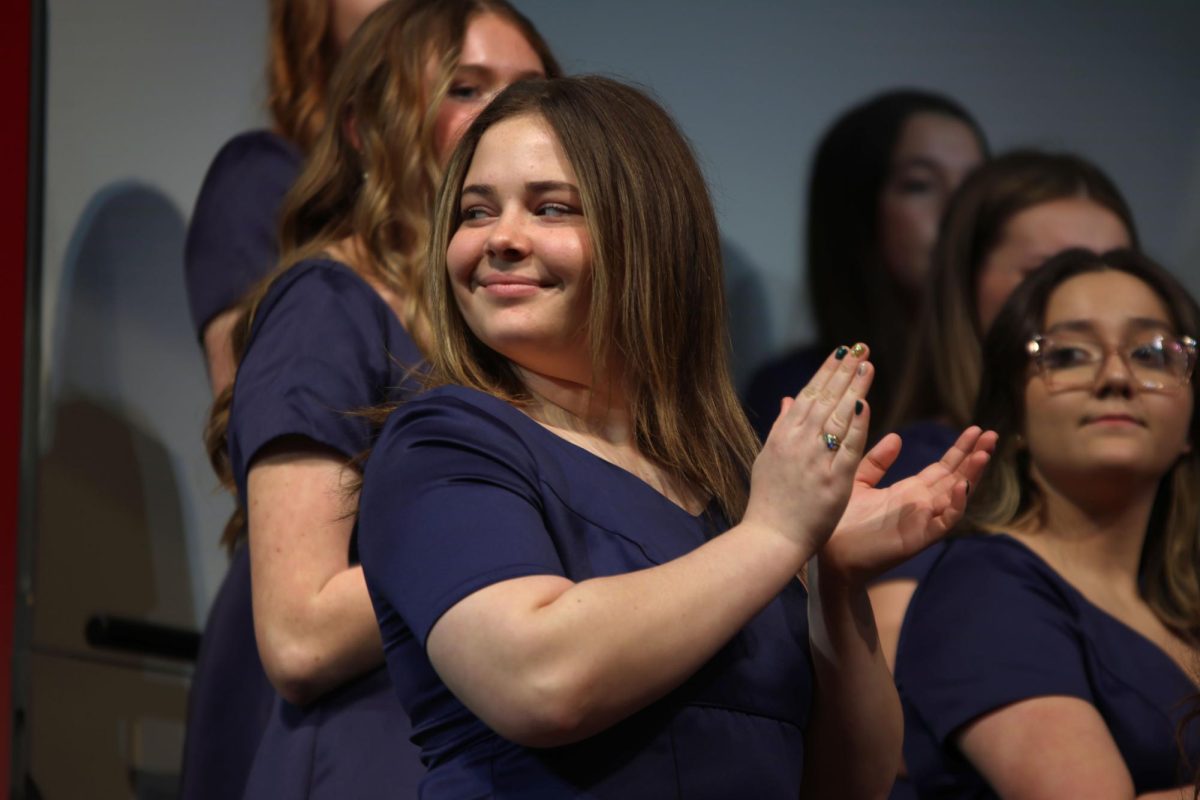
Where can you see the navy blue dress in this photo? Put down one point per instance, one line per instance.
(233, 238)
(324, 343)
(993, 624)
(464, 491)
(232, 242)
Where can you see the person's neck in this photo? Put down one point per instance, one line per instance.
(582, 408)
(1093, 534)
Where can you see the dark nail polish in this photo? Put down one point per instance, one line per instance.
(840, 353)
(858, 407)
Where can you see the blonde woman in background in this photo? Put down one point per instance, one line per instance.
(337, 328)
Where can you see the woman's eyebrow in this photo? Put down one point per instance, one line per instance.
(481, 189)
(551, 186)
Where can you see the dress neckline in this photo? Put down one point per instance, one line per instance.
(579, 453)
(1105, 615)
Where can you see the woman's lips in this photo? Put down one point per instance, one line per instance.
(510, 285)
(1112, 419)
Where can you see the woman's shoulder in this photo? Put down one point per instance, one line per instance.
(256, 150)
(972, 559)
(325, 288)
(460, 411)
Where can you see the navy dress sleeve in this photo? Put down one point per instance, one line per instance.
(987, 627)
(323, 346)
(233, 237)
(319, 351)
(458, 498)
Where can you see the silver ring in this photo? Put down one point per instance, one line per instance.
(831, 441)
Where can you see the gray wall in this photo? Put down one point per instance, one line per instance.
(755, 83)
(143, 92)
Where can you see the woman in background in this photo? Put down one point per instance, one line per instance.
(336, 329)
(880, 179)
(583, 585)
(232, 243)
(233, 238)
(1049, 649)
(1008, 217)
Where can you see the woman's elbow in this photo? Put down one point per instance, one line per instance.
(546, 712)
(295, 670)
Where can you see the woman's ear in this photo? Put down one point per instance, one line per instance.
(350, 131)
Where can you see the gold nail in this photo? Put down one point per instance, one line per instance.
(858, 350)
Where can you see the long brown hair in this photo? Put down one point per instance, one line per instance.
(853, 294)
(301, 55)
(1170, 564)
(657, 301)
(373, 172)
(942, 377)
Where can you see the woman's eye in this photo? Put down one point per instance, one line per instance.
(914, 186)
(463, 91)
(473, 213)
(553, 210)
(1150, 355)
(1067, 356)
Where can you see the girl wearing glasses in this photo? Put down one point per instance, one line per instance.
(1074, 601)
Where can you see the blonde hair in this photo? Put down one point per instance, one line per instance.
(657, 298)
(373, 171)
(1170, 565)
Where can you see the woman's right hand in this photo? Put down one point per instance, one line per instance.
(802, 479)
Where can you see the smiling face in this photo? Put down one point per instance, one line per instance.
(495, 54)
(933, 155)
(1035, 234)
(1114, 425)
(520, 260)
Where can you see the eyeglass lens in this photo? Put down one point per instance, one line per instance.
(1153, 361)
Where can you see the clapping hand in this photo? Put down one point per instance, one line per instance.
(881, 528)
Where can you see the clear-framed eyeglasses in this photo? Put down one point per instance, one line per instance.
(1156, 362)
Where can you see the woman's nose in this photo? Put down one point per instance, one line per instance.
(1114, 375)
(508, 240)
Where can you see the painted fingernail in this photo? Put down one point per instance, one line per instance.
(858, 407)
(862, 368)
(858, 350)
(840, 353)
(968, 487)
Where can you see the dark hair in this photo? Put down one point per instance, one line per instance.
(1170, 564)
(972, 226)
(853, 295)
(657, 303)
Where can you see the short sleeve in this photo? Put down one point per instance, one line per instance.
(318, 352)
(232, 239)
(451, 503)
(986, 628)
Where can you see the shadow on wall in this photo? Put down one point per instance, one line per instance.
(111, 535)
(750, 331)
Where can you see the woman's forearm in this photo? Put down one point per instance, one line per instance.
(546, 662)
(857, 728)
(313, 618)
(321, 641)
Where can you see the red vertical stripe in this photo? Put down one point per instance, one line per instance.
(15, 53)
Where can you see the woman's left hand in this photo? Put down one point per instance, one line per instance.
(884, 527)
